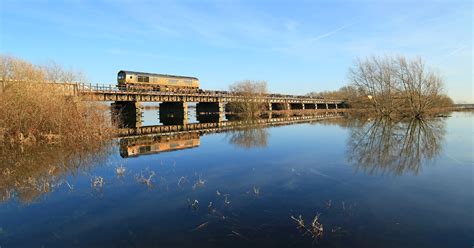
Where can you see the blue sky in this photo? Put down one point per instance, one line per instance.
(296, 46)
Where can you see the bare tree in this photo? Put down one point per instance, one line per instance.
(249, 90)
(421, 88)
(397, 85)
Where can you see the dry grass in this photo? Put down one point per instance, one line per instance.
(248, 89)
(35, 111)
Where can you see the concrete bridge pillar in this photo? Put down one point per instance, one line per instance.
(269, 106)
(127, 114)
(174, 113)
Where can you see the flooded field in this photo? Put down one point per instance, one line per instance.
(327, 181)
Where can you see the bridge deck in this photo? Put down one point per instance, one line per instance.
(109, 93)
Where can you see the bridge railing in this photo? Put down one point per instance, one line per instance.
(98, 88)
(76, 88)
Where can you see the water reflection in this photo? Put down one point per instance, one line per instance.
(245, 133)
(150, 144)
(248, 137)
(395, 147)
(30, 172)
(219, 196)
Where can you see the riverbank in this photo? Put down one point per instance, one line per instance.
(35, 111)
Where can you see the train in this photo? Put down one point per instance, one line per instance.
(132, 147)
(142, 81)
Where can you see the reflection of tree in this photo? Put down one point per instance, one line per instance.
(248, 137)
(30, 172)
(395, 147)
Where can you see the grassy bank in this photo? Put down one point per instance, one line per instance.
(34, 110)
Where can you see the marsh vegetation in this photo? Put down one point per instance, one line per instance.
(392, 86)
(248, 89)
(36, 109)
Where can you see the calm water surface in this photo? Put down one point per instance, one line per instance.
(373, 183)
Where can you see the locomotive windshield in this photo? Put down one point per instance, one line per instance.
(121, 75)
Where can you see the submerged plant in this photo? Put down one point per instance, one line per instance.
(226, 199)
(120, 171)
(328, 204)
(145, 180)
(299, 221)
(315, 229)
(194, 205)
(181, 181)
(98, 182)
(210, 208)
(199, 183)
(256, 191)
(201, 226)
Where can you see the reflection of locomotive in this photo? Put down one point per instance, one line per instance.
(131, 147)
(157, 82)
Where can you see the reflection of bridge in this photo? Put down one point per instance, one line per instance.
(156, 139)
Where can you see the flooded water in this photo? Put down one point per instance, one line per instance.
(370, 183)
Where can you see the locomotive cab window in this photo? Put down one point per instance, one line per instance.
(143, 79)
(121, 76)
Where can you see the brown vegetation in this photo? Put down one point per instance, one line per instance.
(248, 89)
(34, 108)
(395, 85)
(392, 86)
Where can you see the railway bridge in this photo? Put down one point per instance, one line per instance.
(128, 102)
(209, 102)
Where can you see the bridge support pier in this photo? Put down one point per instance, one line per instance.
(174, 113)
(280, 106)
(309, 106)
(127, 114)
(210, 118)
(296, 106)
(210, 107)
(209, 112)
